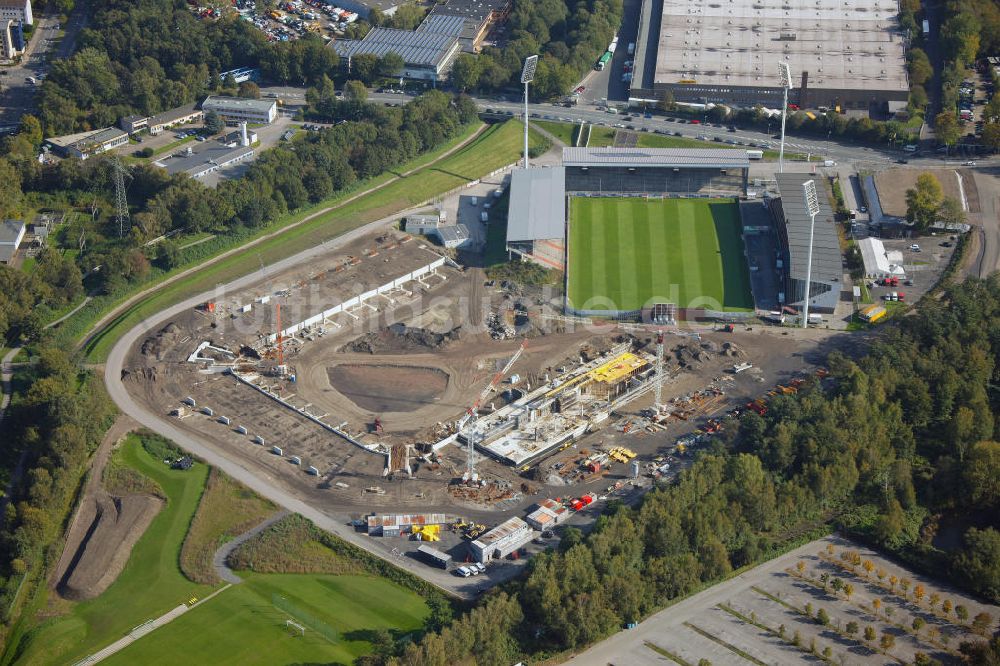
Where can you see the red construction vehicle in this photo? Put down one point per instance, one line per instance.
(758, 406)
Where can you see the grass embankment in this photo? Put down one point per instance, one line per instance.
(242, 624)
(625, 252)
(565, 132)
(498, 146)
(291, 545)
(151, 583)
(227, 509)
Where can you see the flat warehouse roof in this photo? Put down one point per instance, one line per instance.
(689, 158)
(261, 105)
(415, 47)
(849, 44)
(537, 204)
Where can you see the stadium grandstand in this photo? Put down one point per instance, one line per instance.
(536, 218)
(673, 172)
(793, 221)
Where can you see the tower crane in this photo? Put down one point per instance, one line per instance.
(473, 410)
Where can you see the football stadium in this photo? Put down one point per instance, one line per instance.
(651, 233)
(627, 254)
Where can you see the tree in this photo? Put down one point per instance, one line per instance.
(981, 474)
(822, 617)
(870, 633)
(991, 134)
(868, 566)
(249, 90)
(919, 592)
(933, 600)
(946, 607)
(465, 71)
(920, 67)
(961, 612)
(214, 123)
(355, 91)
(887, 642)
(848, 590)
(979, 561)
(851, 628)
(892, 582)
(876, 604)
(364, 67)
(918, 624)
(951, 211)
(946, 128)
(982, 622)
(390, 65)
(922, 204)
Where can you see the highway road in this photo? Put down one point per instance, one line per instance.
(858, 156)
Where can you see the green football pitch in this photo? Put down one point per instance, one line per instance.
(626, 252)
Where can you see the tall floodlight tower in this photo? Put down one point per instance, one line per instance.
(527, 76)
(658, 400)
(785, 74)
(812, 205)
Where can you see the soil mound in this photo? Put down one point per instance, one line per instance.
(156, 345)
(106, 529)
(400, 338)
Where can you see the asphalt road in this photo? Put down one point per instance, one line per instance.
(18, 96)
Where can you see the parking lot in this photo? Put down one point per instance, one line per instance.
(923, 261)
(771, 615)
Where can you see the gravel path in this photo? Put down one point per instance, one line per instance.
(219, 561)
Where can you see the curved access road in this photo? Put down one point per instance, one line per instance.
(235, 467)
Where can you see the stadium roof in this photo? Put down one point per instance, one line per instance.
(826, 263)
(720, 158)
(850, 44)
(537, 204)
(417, 48)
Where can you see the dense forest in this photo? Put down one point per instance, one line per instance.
(892, 448)
(56, 423)
(569, 35)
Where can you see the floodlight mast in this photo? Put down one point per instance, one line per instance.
(785, 74)
(811, 201)
(527, 76)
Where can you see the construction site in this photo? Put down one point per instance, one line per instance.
(388, 379)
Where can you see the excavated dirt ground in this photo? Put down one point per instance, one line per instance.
(388, 388)
(103, 531)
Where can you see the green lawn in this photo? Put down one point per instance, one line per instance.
(498, 146)
(150, 584)
(565, 132)
(242, 626)
(625, 251)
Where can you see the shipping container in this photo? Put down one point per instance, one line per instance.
(258, 440)
(276, 450)
(224, 420)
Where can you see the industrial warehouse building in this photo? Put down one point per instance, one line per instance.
(86, 144)
(236, 110)
(536, 217)
(793, 221)
(429, 51)
(11, 235)
(673, 172)
(502, 540)
(547, 515)
(848, 54)
(182, 115)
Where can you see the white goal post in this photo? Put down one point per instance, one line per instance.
(292, 625)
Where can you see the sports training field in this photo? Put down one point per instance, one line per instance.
(625, 251)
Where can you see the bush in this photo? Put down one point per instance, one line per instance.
(158, 446)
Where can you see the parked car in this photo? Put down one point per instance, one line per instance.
(914, 248)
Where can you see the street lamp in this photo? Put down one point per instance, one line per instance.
(785, 75)
(527, 76)
(812, 206)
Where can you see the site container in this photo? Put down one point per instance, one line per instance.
(258, 440)
(312, 470)
(296, 460)
(276, 450)
(207, 411)
(224, 420)
(190, 401)
(241, 429)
